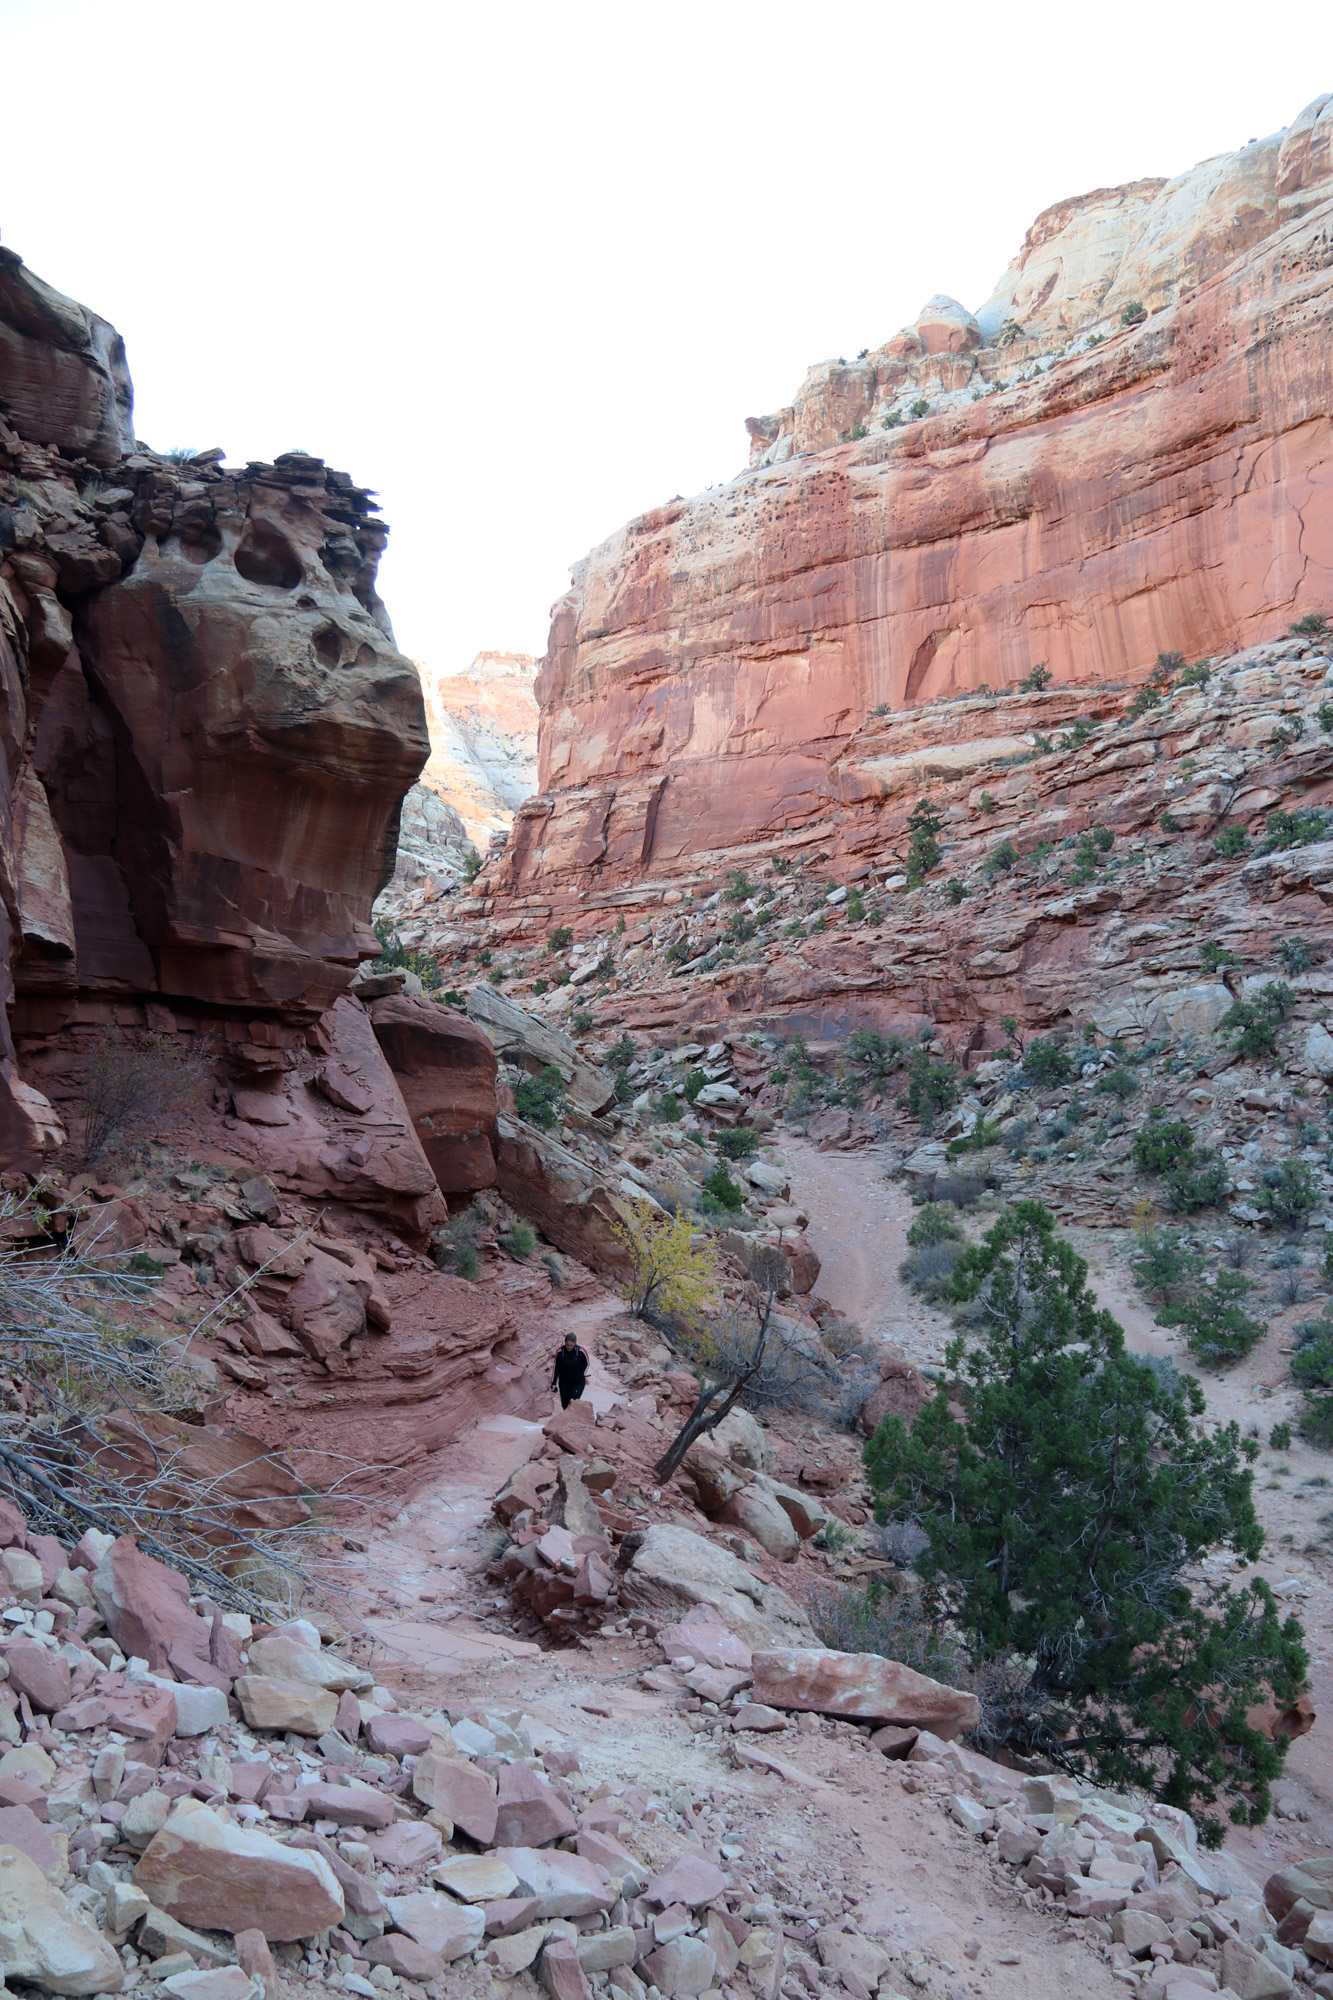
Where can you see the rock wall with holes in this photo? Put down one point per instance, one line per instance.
(1127, 450)
(206, 733)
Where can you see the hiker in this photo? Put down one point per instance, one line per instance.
(571, 1371)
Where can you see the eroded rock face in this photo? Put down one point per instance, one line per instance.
(64, 380)
(206, 731)
(1166, 488)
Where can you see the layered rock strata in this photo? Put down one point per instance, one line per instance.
(1081, 493)
(483, 739)
(207, 735)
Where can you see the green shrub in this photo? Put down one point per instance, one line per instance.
(721, 1188)
(1170, 824)
(954, 891)
(1326, 716)
(931, 1088)
(625, 1090)
(1145, 698)
(678, 952)
(541, 985)
(1230, 843)
(1295, 956)
(541, 1099)
(1161, 1144)
(620, 1054)
(1254, 1023)
(1134, 313)
(1217, 1329)
(1002, 858)
(935, 1223)
(737, 1144)
(1045, 1064)
(396, 956)
(919, 408)
(1077, 734)
(987, 804)
(873, 1055)
(1313, 626)
(1289, 1194)
(471, 866)
(1040, 677)
(1213, 957)
(1312, 1368)
(694, 1083)
(1301, 828)
(1279, 1438)
(854, 908)
(1118, 1082)
(1067, 1497)
(738, 887)
(1200, 1182)
(1198, 675)
(923, 849)
(982, 1135)
(521, 1240)
(667, 1109)
(497, 975)
(1164, 1265)
(581, 1021)
(560, 940)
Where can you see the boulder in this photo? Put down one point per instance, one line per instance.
(476, 1878)
(685, 1966)
(742, 1439)
(1311, 1879)
(843, 1952)
(467, 1796)
(43, 1676)
(398, 1735)
(563, 1885)
(863, 1687)
(270, 1703)
(1252, 1975)
(203, 1871)
(446, 1068)
(147, 1611)
(284, 1657)
(562, 1972)
(902, 1392)
(529, 1814)
(43, 1940)
(691, 1880)
(404, 1956)
(757, 1513)
(438, 1922)
(673, 1570)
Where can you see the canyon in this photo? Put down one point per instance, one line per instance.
(989, 710)
(1074, 492)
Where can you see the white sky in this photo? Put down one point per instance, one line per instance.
(525, 268)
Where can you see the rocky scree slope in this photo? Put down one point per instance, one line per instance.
(1080, 492)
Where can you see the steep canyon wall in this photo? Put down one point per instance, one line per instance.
(1127, 450)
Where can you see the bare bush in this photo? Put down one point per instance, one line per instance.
(1238, 1251)
(963, 1190)
(888, 1620)
(929, 1269)
(899, 1542)
(133, 1082)
(98, 1425)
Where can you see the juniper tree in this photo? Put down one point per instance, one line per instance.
(1068, 1495)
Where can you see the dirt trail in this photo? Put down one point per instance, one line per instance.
(859, 1223)
(838, 1826)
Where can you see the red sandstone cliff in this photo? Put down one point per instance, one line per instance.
(205, 737)
(1081, 492)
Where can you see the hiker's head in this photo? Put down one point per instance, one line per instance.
(570, 1340)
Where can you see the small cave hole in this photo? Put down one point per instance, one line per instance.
(266, 556)
(328, 646)
(366, 656)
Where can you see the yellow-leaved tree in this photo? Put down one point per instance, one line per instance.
(667, 1273)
